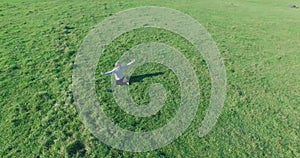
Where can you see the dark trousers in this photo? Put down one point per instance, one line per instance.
(123, 81)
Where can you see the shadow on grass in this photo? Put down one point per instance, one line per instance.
(139, 78)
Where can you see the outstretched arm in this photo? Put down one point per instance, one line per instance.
(108, 73)
(130, 63)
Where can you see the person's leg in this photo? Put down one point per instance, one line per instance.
(123, 81)
(126, 81)
(119, 82)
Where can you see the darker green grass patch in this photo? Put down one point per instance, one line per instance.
(76, 148)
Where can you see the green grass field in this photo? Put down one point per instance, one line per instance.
(259, 42)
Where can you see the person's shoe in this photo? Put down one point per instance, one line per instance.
(110, 90)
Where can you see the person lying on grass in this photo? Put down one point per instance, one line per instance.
(117, 71)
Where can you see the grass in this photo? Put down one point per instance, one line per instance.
(258, 40)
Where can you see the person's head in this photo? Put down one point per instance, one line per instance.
(117, 64)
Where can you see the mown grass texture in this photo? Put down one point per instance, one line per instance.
(259, 43)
